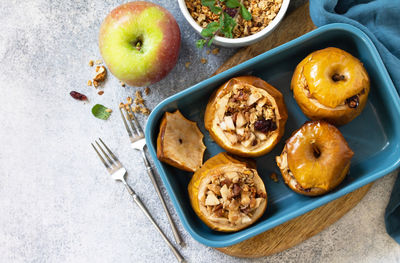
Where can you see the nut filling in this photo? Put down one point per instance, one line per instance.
(233, 197)
(247, 116)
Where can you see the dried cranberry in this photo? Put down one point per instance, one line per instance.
(236, 190)
(231, 11)
(78, 96)
(353, 102)
(265, 125)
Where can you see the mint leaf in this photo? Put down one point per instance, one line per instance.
(210, 41)
(227, 24)
(210, 29)
(100, 111)
(211, 4)
(232, 3)
(200, 43)
(245, 13)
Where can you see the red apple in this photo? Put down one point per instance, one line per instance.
(139, 42)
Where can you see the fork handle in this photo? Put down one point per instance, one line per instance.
(148, 215)
(149, 170)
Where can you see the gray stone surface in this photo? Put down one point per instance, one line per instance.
(57, 202)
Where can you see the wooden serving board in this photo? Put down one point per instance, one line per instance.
(303, 227)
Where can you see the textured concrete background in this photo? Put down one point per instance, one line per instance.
(58, 204)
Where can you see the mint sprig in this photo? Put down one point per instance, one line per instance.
(226, 23)
(100, 111)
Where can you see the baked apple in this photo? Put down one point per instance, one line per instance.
(246, 116)
(315, 159)
(180, 142)
(227, 193)
(332, 85)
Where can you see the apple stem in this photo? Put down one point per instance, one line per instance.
(139, 45)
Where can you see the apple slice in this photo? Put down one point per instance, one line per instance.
(180, 142)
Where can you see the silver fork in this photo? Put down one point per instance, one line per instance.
(118, 172)
(138, 142)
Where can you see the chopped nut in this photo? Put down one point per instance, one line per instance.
(215, 51)
(109, 110)
(203, 60)
(187, 64)
(89, 82)
(100, 92)
(95, 83)
(147, 91)
(91, 63)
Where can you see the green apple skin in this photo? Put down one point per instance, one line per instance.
(159, 36)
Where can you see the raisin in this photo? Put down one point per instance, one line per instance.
(265, 125)
(353, 102)
(78, 96)
(231, 11)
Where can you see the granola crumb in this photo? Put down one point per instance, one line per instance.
(99, 61)
(129, 100)
(139, 101)
(203, 60)
(208, 52)
(274, 177)
(109, 110)
(138, 94)
(89, 82)
(215, 51)
(91, 63)
(145, 111)
(187, 64)
(100, 76)
(121, 105)
(100, 92)
(147, 91)
(135, 108)
(122, 84)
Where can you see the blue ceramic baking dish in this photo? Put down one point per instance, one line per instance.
(374, 136)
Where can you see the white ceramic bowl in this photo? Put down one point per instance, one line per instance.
(238, 42)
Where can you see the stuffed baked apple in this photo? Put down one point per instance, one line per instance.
(332, 85)
(315, 159)
(227, 193)
(246, 116)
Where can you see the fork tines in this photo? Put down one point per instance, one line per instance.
(128, 117)
(111, 163)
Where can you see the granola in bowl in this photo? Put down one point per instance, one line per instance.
(262, 13)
